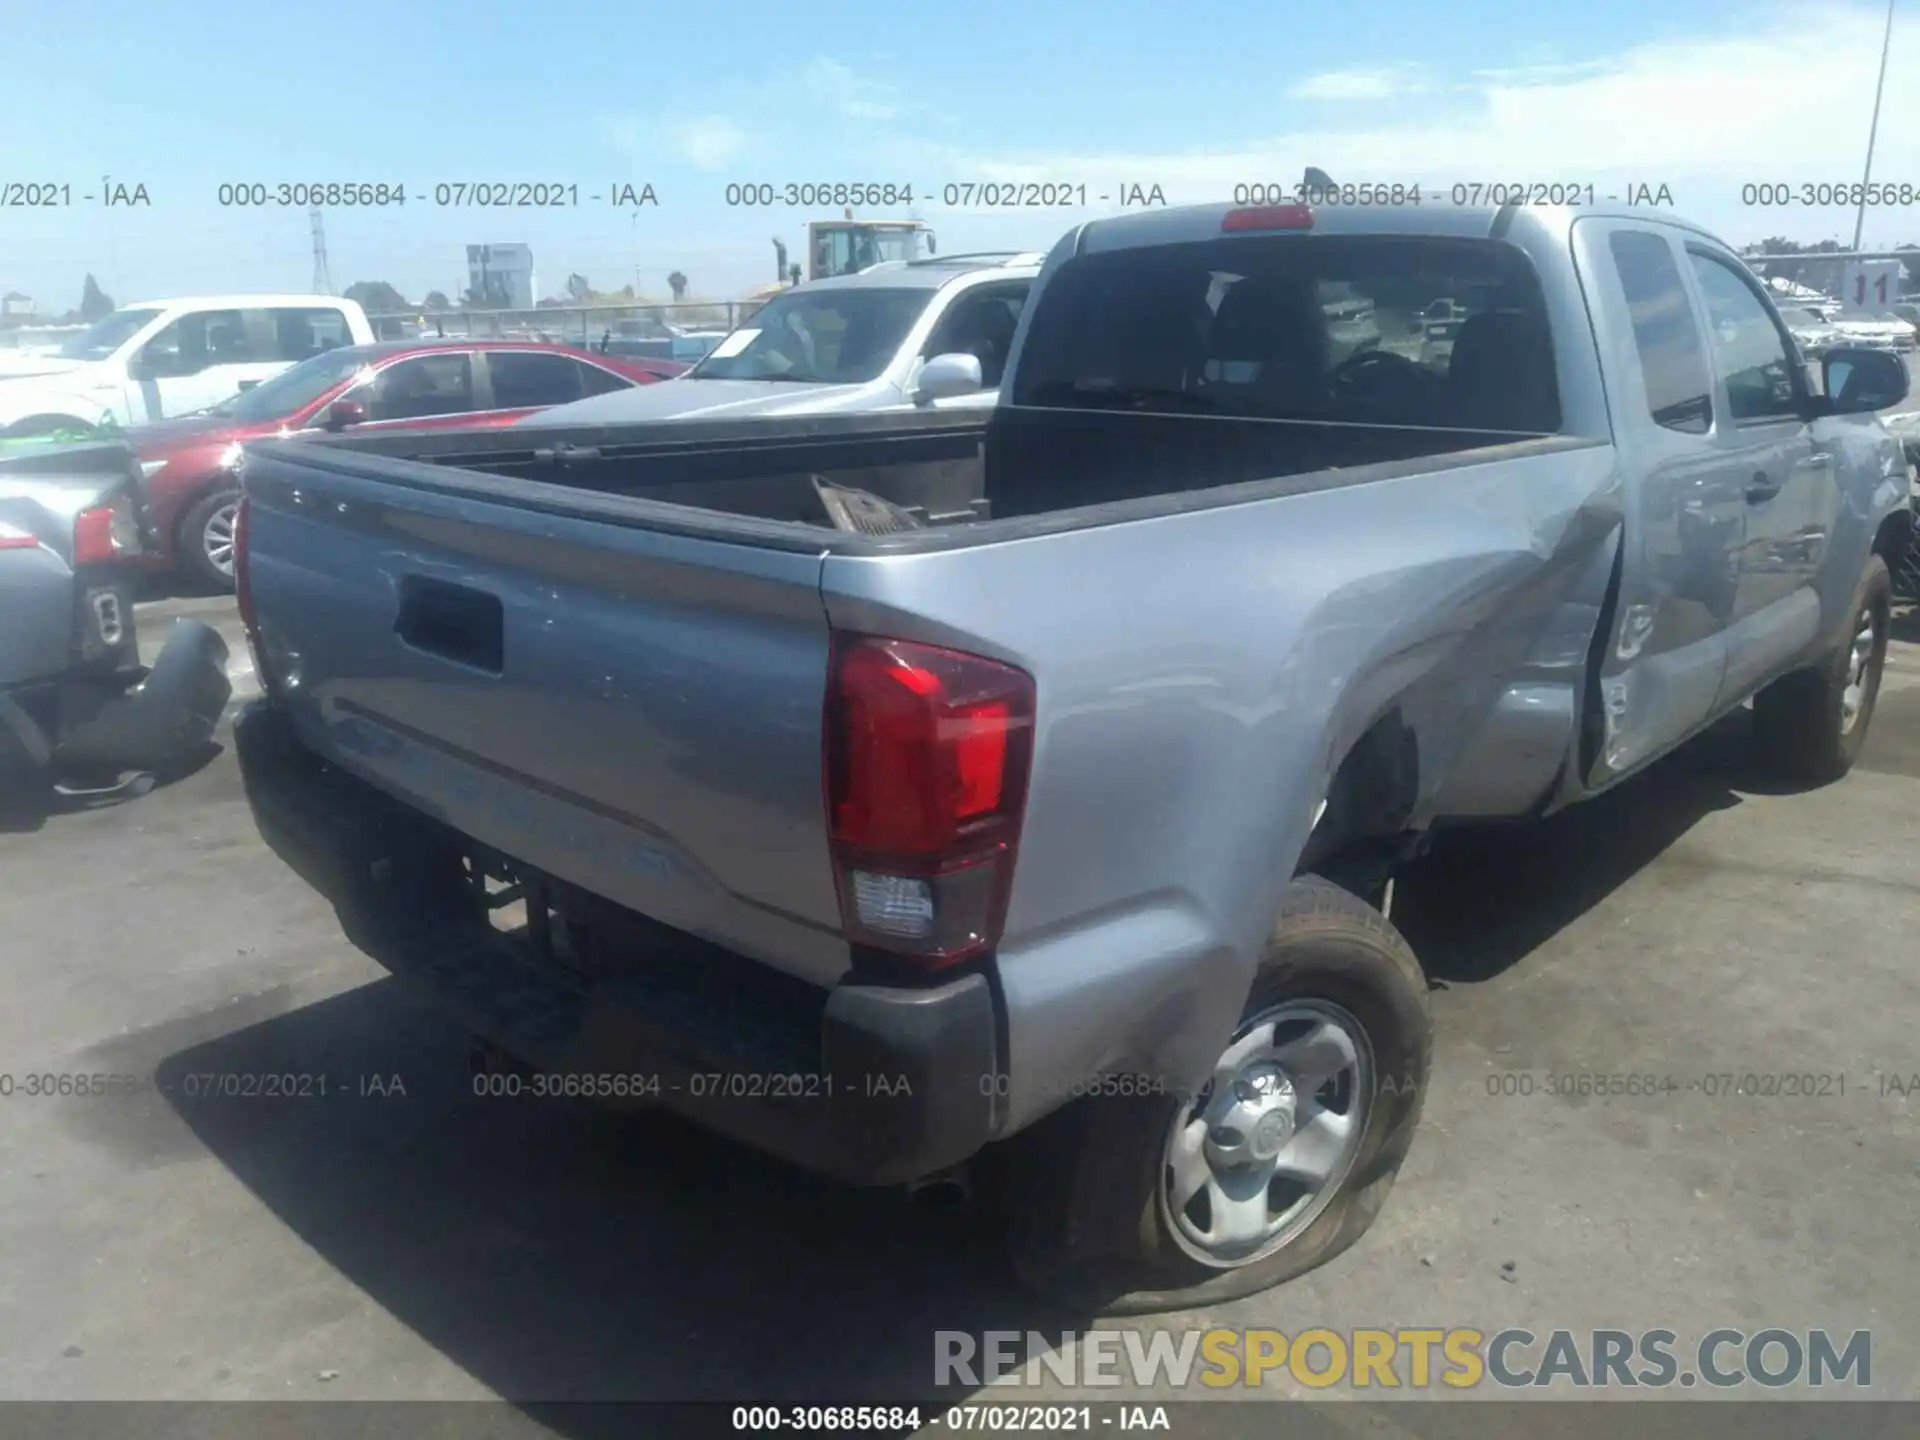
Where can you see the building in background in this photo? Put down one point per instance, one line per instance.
(500, 277)
(16, 308)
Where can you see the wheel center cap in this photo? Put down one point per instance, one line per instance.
(1273, 1131)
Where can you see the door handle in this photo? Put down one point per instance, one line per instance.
(1761, 489)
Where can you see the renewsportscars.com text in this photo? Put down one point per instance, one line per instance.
(1458, 1358)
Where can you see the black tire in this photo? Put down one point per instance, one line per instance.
(1080, 1192)
(190, 541)
(1800, 724)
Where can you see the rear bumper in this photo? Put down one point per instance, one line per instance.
(870, 1084)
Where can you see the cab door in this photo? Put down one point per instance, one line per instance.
(1788, 479)
(1664, 662)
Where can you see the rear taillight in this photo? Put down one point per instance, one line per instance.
(927, 754)
(13, 538)
(105, 534)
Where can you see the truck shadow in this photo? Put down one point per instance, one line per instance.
(1482, 900)
(558, 1252)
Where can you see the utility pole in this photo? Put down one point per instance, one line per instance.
(1873, 133)
(322, 281)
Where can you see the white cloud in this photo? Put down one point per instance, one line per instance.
(1381, 84)
(1782, 98)
(834, 83)
(707, 141)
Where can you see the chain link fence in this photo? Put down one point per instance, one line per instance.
(573, 325)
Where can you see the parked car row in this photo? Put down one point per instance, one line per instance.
(193, 378)
(190, 462)
(1818, 328)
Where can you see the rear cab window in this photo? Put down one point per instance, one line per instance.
(1422, 331)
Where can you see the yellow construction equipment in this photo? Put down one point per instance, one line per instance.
(847, 246)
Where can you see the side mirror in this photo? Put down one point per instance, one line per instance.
(140, 369)
(1858, 381)
(343, 413)
(248, 384)
(945, 376)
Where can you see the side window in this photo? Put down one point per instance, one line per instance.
(981, 323)
(299, 333)
(1672, 359)
(526, 379)
(198, 341)
(595, 381)
(424, 386)
(1754, 356)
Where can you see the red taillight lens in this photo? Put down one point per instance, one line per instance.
(93, 537)
(12, 538)
(1269, 217)
(927, 757)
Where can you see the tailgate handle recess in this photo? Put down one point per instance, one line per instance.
(452, 622)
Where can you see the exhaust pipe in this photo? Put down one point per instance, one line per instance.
(944, 1191)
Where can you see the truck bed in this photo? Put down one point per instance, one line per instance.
(951, 469)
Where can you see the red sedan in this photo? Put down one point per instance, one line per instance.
(189, 462)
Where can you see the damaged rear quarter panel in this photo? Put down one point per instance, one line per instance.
(1201, 675)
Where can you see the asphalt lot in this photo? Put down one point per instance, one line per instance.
(436, 1246)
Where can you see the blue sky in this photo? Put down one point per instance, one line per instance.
(1701, 97)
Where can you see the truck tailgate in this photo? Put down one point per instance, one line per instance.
(633, 711)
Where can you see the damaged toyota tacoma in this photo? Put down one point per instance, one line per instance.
(1022, 790)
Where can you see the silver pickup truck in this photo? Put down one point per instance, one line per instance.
(1023, 790)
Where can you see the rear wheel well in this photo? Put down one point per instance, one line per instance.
(1894, 543)
(1369, 804)
(43, 424)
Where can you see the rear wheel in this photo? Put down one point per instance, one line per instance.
(205, 542)
(1810, 725)
(1279, 1163)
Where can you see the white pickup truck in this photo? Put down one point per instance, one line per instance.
(161, 358)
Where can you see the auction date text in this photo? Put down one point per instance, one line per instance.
(447, 194)
(1778, 193)
(61, 194)
(1720, 1085)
